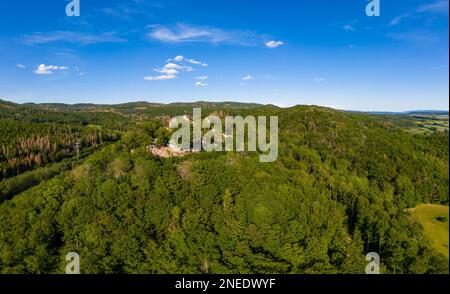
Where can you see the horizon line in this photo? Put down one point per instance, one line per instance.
(231, 101)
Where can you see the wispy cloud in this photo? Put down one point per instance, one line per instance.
(186, 33)
(202, 78)
(246, 78)
(70, 37)
(419, 37)
(396, 20)
(21, 66)
(124, 12)
(348, 28)
(319, 80)
(436, 7)
(48, 69)
(78, 71)
(439, 6)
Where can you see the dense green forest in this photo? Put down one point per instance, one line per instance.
(341, 188)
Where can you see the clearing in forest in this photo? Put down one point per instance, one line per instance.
(434, 219)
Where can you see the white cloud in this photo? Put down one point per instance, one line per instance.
(48, 69)
(202, 78)
(173, 66)
(19, 65)
(160, 78)
(319, 80)
(172, 69)
(274, 44)
(201, 84)
(42, 70)
(181, 59)
(167, 71)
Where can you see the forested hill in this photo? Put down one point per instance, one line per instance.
(130, 105)
(341, 188)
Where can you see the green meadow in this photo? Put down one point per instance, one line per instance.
(434, 219)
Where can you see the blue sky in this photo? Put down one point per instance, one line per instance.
(282, 52)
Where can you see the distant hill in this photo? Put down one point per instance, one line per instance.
(135, 104)
(225, 104)
(7, 104)
(412, 112)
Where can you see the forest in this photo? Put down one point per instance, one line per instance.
(343, 186)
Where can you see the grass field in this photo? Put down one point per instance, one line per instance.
(434, 219)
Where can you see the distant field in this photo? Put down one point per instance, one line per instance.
(434, 219)
(418, 123)
(431, 123)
